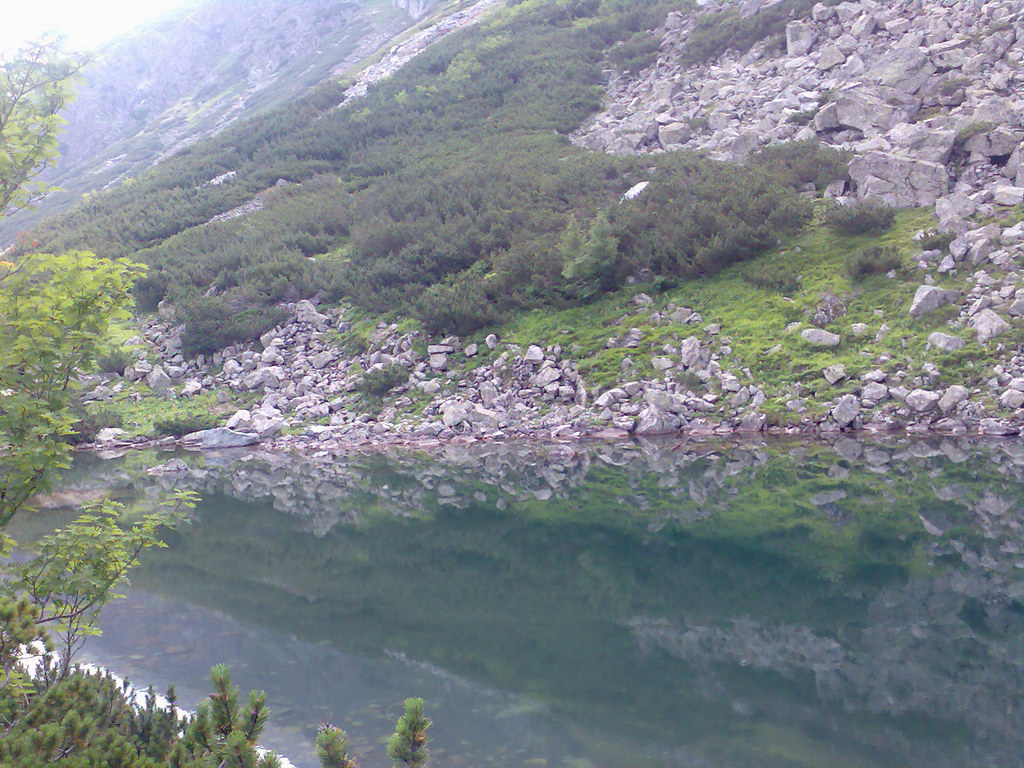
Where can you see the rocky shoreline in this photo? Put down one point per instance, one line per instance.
(308, 388)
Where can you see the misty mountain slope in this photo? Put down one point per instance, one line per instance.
(165, 86)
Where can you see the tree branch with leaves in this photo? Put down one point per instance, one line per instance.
(36, 83)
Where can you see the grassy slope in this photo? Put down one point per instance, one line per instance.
(754, 320)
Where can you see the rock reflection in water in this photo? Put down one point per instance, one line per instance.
(686, 603)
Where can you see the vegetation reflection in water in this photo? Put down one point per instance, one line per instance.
(841, 603)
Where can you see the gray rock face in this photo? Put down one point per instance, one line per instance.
(846, 410)
(674, 133)
(415, 8)
(899, 180)
(240, 421)
(819, 338)
(109, 435)
(546, 377)
(1009, 195)
(830, 57)
(306, 312)
(998, 142)
(928, 298)
(454, 414)
(172, 467)
(219, 437)
(894, 83)
(923, 142)
(871, 109)
(321, 360)
(987, 325)
(690, 352)
(905, 69)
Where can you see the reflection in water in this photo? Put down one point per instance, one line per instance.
(682, 604)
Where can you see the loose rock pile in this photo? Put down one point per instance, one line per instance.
(929, 95)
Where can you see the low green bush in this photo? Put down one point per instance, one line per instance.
(212, 323)
(796, 163)
(715, 33)
(379, 381)
(90, 420)
(860, 218)
(875, 260)
(114, 361)
(180, 424)
(460, 306)
(636, 53)
(936, 241)
(772, 279)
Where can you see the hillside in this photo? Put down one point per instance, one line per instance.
(598, 218)
(150, 93)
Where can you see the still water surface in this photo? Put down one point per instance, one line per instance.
(772, 604)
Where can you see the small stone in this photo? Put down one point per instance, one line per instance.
(1012, 398)
(220, 437)
(928, 298)
(987, 325)
(876, 392)
(819, 338)
(846, 410)
(952, 397)
(923, 400)
(945, 342)
(534, 355)
(835, 373)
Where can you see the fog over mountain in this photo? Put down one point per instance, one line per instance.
(164, 86)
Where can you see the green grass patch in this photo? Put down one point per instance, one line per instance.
(140, 417)
(754, 319)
